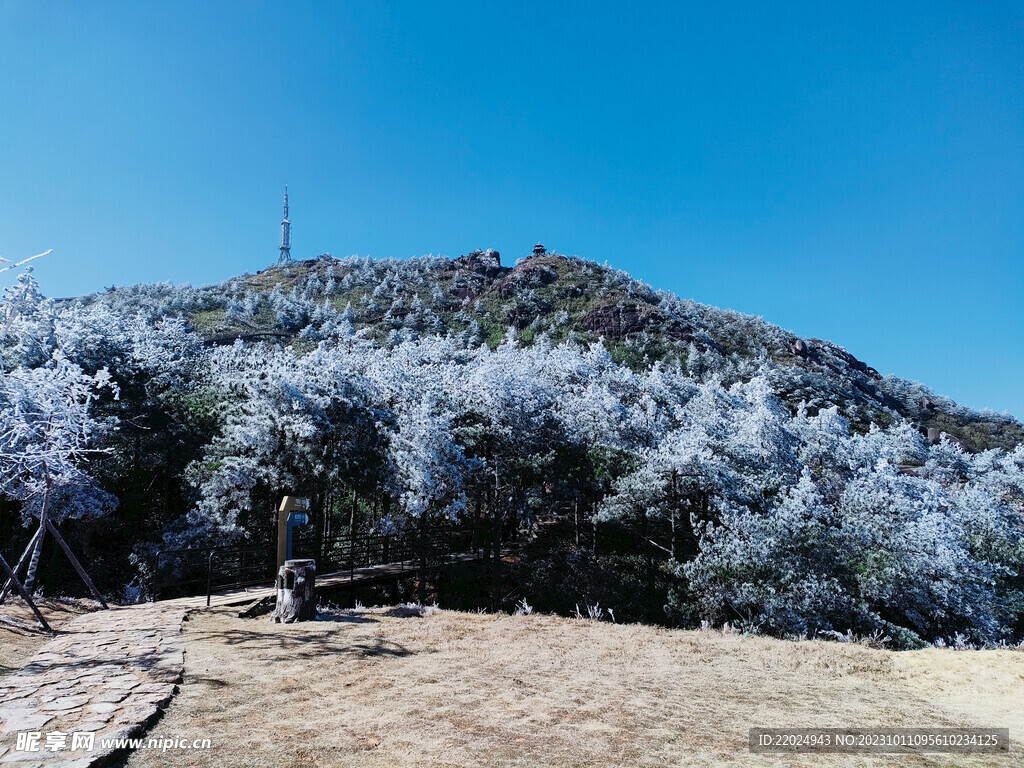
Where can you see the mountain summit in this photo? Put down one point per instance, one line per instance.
(477, 299)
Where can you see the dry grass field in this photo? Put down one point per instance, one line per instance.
(456, 689)
(20, 634)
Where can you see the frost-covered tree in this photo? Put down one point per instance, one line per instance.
(26, 323)
(777, 570)
(287, 424)
(46, 437)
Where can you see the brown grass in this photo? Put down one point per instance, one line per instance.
(20, 634)
(455, 689)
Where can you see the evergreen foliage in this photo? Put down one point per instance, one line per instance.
(674, 462)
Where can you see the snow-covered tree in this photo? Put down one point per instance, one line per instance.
(46, 438)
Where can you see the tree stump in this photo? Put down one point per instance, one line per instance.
(296, 592)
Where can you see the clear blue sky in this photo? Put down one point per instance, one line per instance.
(855, 174)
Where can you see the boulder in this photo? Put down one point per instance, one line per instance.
(486, 263)
(615, 321)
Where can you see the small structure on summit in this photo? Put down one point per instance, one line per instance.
(539, 250)
(286, 235)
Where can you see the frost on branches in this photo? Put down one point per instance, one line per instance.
(686, 489)
(47, 435)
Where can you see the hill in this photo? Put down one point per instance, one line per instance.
(477, 299)
(669, 461)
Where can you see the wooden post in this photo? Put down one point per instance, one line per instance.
(496, 567)
(20, 589)
(296, 592)
(77, 565)
(33, 564)
(21, 561)
(289, 504)
(421, 561)
(282, 532)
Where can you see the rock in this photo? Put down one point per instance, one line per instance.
(799, 348)
(82, 762)
(525, 313)
(486, 263)
(104, 707)
(26, 721)
(836, 351)
(615, 321)
(94, 723)
(63, 703)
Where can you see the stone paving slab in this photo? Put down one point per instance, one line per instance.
(111, 673)
(108, 673)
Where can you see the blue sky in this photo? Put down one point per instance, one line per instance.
(853, 173)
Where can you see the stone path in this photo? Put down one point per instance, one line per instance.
(108, 673)
(111, 673)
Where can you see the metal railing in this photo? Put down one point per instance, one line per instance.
(183, 572)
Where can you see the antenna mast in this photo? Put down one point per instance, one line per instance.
(286, 235)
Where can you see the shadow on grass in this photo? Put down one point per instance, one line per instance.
(346, 619)
(305, 646)
(197, 680)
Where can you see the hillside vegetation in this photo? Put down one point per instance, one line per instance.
(655, 457)
(478, 300)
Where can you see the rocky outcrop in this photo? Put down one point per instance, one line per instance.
(813, 349)
(485, 263)
(615, 321)
(836, 351)
(525, 313)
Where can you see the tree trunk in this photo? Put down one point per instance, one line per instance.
(649, 560)
(21, 561)
(496, 570)
(576, 519)
(296, 592)
(421, 575)
(33, 564)
(674, 504)
(675, 556)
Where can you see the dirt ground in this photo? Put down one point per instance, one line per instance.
(20, 634)
(457, 689)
